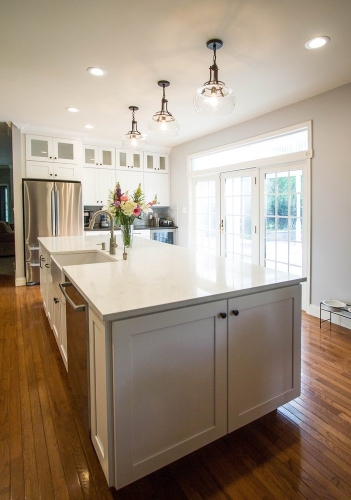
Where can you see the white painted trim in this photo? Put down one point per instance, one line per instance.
(336, 320)
(20, 281)
(257, 138)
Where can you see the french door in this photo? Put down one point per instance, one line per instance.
(239, 225)
(206, 213)
(259, 216)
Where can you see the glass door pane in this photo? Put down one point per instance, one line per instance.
(239, 216)
(283, 221)
(206, 215)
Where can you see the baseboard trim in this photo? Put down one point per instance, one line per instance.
(335, 319)
(20, 281)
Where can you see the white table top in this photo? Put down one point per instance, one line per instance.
(158, 277)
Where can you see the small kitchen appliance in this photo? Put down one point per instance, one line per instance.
(104, 221)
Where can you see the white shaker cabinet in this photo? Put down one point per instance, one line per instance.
(157, 184)
(170, 386)
(98, 156)
(52, 158)
(97, 182)
(45, 278)
(100, 394)
(156, 162)
(130, 180)
(129, 159)
(264, 343)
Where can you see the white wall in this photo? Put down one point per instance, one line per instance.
(331, 182)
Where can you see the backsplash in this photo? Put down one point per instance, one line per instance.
(170, 213)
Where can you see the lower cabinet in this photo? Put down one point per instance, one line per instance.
(164, 385)
(264, 344)
(101, 426)
(170, 387)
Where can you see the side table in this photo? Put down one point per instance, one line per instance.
(339, 311)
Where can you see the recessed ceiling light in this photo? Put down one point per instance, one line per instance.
(88, 126)
(73, 110)
(317, 42)
(97, 71)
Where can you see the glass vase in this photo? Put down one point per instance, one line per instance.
(127, 234)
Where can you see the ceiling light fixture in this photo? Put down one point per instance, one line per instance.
(96, 71)
(88, 126)
(317, 42)
(134, 139)
(72, 110)
(163, 122)
(214, 98)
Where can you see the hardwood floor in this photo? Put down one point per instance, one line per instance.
(300, 451)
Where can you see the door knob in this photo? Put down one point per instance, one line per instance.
(236, 312)
(223, 315)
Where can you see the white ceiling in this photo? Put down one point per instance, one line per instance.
(46, 47)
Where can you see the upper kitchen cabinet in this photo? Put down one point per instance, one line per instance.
(97, 156)
(42, 148)
(126, 159)
(96, 185)
(156, 184)
(52, 158)
(156, 162)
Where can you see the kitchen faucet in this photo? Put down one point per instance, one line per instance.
(113, 243)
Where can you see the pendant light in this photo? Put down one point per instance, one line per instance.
(134, 139)
(214, 98)
(163, 122)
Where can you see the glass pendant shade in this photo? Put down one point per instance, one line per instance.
(134, 139)
(214, 97)
(163, 122)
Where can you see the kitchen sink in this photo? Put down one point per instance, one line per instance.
(74, 259)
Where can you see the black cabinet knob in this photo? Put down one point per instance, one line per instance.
(236, 312)
(47, 265)
(56, 300)
(223, 315)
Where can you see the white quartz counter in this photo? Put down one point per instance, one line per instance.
(158, 277)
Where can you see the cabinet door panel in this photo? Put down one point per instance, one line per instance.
(90, 156)
(39, 170)
(65, 150)
(129, 180)
(132, 160)
(106, 180)
(157, 184)
(90, 196)
(264, 342)
(107, 157)
(170, 379)
(38, 147)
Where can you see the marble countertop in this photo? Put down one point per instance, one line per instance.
(158, 277)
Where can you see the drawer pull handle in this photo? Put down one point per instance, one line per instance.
(236, 312)
(223, 315)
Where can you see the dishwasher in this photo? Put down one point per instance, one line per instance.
(78, 349)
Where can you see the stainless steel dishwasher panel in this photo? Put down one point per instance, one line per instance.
(78, 349)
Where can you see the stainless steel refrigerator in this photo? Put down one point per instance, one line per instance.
(50, 209)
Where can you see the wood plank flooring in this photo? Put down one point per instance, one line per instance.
(300, 451)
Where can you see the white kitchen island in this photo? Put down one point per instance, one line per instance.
(184, 348)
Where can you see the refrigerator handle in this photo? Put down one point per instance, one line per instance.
(57, 210)
(53, 213)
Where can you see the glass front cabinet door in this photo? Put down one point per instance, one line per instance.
(156, 162)
(52, 149)
(96, 156)
(132, 160)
